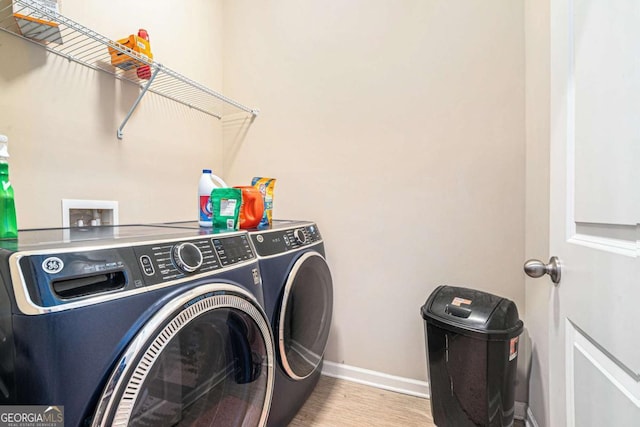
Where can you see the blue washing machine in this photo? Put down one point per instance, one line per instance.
(135, 326)
(298, 295)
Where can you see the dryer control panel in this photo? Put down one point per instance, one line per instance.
(272, 242)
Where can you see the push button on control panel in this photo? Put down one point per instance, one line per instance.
(147, 265)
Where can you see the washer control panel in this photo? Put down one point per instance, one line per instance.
(273, 242)
(173, 260)
(57, 278)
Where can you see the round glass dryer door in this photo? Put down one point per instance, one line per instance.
(205, 359)
(305, 316)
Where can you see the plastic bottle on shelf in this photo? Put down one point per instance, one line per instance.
(208, 181)
(8, 222)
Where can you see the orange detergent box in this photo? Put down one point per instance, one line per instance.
(35, 21)
(132, 43)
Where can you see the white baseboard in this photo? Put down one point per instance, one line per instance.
(520, 410)
(531, 421)
(401, 385)
(376, 379)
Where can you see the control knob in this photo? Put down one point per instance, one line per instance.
(301, 238)
(187, 257)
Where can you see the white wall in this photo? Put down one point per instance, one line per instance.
(537, 291)
(61, 117)
(399, 128)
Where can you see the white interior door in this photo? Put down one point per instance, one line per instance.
(595, 211)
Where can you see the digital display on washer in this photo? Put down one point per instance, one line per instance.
(231, 250)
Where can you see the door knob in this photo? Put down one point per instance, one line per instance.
(536, 268)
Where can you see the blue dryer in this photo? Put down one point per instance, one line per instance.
(298, 295)
(135, 326)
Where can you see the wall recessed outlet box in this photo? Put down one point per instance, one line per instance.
(88, 213)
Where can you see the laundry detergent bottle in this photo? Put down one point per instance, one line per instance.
(208, 181)
(8, 223)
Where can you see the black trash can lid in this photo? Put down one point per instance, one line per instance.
(472, 312)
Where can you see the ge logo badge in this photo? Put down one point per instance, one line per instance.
(52, 265)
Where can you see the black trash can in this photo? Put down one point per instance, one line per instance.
(472, 347)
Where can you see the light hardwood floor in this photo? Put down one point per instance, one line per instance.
(342, 403)
(339, 403)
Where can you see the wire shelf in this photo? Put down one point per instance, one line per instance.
(58, 34)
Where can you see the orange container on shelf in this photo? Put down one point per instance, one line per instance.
(252, 206)
(132, 43)
(143, 71)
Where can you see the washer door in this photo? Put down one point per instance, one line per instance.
(305, 316)
(206, 358)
